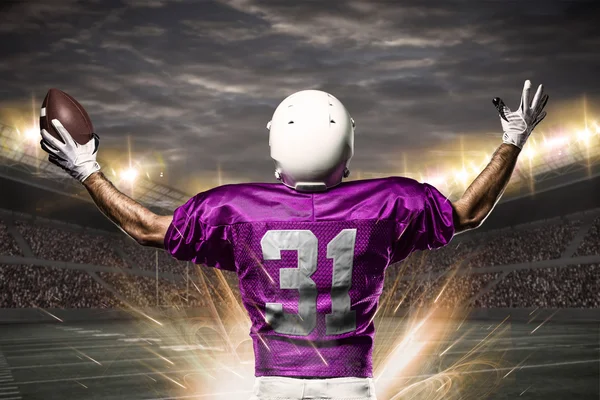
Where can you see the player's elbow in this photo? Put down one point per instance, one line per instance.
(470, 224)
(151, 232)
(465, 217)
(148, 239)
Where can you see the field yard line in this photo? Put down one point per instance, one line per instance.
(73, 364)
(196, 370)
(557, 364)
(197, 396)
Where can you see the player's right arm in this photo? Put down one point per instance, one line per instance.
(483, 194)
(146, 227)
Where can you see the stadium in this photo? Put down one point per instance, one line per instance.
(509, 309)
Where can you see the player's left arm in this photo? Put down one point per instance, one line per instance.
(146, 227)
(479, 199)
(483, 194)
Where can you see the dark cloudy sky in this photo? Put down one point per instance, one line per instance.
(193, 83)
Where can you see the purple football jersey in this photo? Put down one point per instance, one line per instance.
(311, 265)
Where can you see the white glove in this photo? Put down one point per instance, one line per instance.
(79, 160)
(518, 125)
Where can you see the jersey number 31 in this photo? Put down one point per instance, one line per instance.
(341, 250)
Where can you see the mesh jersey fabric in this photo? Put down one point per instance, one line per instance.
(311, 265)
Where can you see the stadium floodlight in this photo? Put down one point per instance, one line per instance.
(461, 176)
(32, 134)
(129, 175)
(558, 141)
(584, 136)
(529, 152)
(436, 180)
(475, 169)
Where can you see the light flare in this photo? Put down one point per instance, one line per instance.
(50, 314)
(86, 356)
(422, 356)
(544, 321)
(129, 175)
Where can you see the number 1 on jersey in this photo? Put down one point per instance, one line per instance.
(341, 250)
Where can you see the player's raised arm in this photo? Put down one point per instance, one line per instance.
(146, 227)
(76, 154)
(482, 195)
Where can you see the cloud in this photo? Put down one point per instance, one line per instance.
(198, 81)
(33, 16)
(150, 3)
(223, 31)
(144, 31)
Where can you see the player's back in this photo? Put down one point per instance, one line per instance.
(311, 265)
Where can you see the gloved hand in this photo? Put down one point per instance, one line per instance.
(77, 159)
(519, 124)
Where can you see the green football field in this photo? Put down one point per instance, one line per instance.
(144, 360)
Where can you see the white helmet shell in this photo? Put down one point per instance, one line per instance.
(311, 136)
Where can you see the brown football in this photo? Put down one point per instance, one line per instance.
(59, 105)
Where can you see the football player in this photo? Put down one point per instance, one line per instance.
(310, 252)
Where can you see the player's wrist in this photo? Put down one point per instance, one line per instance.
(85, 175)
(93, 178)
(517, 138)
(511, 148)
(513, 143)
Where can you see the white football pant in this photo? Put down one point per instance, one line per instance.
(280, 388)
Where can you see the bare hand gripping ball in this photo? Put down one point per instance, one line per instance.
(59, 105)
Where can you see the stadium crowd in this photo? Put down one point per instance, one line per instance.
(568, 287)
(8, 246)
(591, 243)
(448, 257)
(444, 291)
(141, 291)
(425, 278)
(146, 258)
(26, 286)
(60, 244)
(500, 248)
(525, 245)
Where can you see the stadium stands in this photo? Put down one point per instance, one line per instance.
(147, 258)
(8, 245)
(24, 286)
(450, 256)
(141, 291)
(591, 242)
(54, 243)
(571, 287)
(525, 245)
(494, 269)
(446, 292)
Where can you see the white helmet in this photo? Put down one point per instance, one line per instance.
(311, 136)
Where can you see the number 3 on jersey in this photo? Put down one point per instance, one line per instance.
(341, 250)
